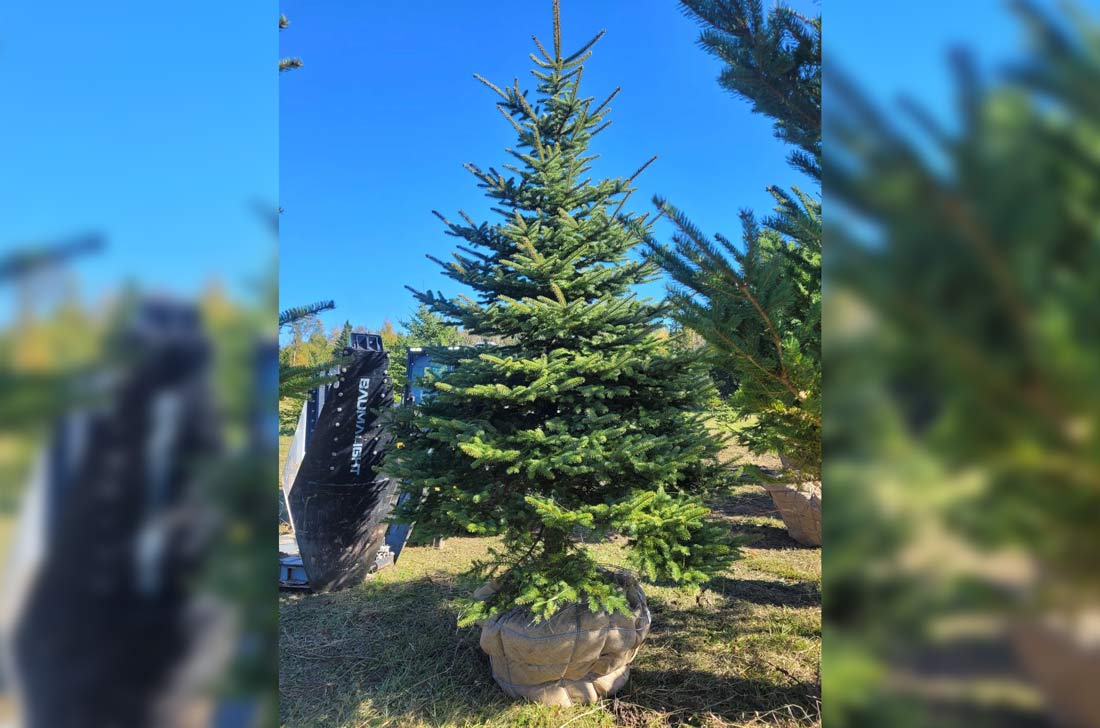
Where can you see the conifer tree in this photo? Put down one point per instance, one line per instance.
(581, 418)
(758, 304)
(289, 63)
(343, 339)
(297, 380)
(966, 354)
(428, 329)
(422, 329)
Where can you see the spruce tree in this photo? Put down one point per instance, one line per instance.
(343, 340)
(581, 418)
(758, 304)
(428, 329)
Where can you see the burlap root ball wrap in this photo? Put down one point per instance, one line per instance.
(573, 658)
(799, 506)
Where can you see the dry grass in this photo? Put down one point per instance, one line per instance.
(388, 653)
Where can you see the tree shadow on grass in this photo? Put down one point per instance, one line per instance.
(764, 592)
(745, 500)
(391, 653)
(752, 514)
(382, 649)
(766, 536)
(686, 697)
(704, 662)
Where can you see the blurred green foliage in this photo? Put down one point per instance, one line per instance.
(757, 302)
(963, 355)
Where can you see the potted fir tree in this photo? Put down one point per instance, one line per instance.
(577, 418)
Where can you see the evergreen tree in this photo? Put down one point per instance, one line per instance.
(983, 289)
(758, 305)
(963, 406)
(581, 417)
(288, 63)
(296, 378)
(397, 344)
(343, 339)
(428, 329)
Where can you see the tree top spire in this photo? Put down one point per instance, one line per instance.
(557, 30)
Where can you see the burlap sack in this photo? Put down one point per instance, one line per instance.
(575, 657)
(800, 507)
(1064, 662)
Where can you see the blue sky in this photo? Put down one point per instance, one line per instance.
(375, 127)
(904, 52)
(903, 49)
(163, 128)
(153, 123)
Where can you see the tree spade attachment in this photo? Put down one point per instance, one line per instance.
(336, 502)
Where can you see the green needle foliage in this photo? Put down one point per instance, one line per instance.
(758, 304)
(297, 313)
(964, 356)
(287, 64)
(428, 329)
(581, 419)
(296, 381)
(984, 279)
(343, 340)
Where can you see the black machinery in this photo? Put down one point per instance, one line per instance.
(99, 591)
(335, 501)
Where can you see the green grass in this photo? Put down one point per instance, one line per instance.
(7, 528)
(16, 456)
(388, 653)
(284, 448)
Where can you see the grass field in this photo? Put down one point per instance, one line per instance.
(16, 455)
(388, 653)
